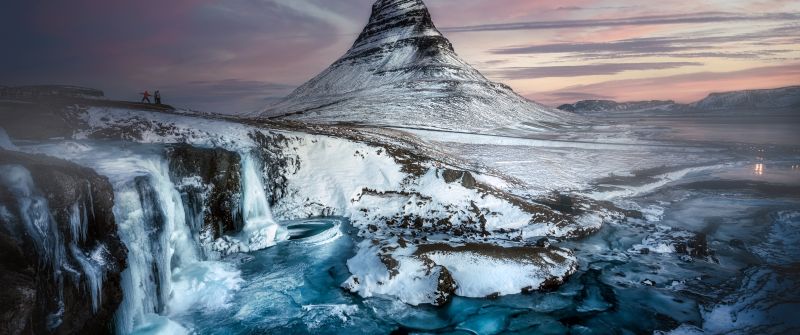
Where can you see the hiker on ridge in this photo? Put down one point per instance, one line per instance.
(145, 96)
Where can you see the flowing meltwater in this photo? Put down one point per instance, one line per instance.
(168, 273)
(260, 228)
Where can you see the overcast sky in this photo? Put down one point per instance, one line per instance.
(240, 55)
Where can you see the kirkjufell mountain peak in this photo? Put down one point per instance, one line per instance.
(401, 71)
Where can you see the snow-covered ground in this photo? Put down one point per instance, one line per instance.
(442, 216)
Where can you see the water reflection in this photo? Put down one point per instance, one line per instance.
(759, 169)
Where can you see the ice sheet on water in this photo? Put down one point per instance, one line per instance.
(782, 245)
(489, 321)
(154, 324)
(317, 315)
(208, 286)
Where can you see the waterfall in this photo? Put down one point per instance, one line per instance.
(168, 273)
(152, 223)
(260, 227)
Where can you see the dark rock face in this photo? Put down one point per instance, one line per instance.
(58, 238)
(446, 288)
(407, 18)
(210, 184)
(277, 165)
(464, 177)
(36, 120)
(695, 246)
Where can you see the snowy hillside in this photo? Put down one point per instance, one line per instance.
(749, 100)
(590, 106)
(401, 71)
(786, 97)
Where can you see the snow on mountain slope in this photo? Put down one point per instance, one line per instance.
(785, 97)
(770, 99)
(401, 71)
(595, 106)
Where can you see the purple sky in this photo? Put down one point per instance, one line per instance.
(239, 55)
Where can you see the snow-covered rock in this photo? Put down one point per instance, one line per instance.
(594, 106)
(401, 71)
(736, 101)
(431, 273)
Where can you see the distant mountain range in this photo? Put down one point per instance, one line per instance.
(785, 98)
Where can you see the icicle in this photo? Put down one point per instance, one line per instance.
(90, 194)
(78, 223)
(40, 226)
(93, 274)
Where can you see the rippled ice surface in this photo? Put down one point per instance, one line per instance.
(747, 284)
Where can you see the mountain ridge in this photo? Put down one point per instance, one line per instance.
(775, 98)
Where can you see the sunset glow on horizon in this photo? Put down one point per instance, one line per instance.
(228, 56)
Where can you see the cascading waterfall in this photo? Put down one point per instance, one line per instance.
(259, 225)
(151, 221)
(171, 267)
(260, 229)
(168, 273)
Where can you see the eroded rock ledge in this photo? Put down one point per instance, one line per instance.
(60, 255)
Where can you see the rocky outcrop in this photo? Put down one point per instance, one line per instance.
(433, 273)
(210, 183)
(278, 164)
(60, 255)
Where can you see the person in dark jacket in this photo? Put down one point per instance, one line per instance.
(157, 96)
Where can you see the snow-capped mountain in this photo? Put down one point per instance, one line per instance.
(749, 100)
(401, 71)
(785, 97)
(590, 106)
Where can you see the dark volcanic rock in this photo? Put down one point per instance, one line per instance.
(57, 228)
(277, 165)
(466, 178)
(210, 183)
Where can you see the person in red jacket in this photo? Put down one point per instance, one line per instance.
(145, 97)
